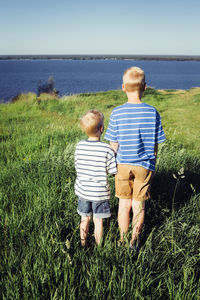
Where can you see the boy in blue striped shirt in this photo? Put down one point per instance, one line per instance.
(134, 132)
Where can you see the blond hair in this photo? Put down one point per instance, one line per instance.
(91, 122)
(133, 79)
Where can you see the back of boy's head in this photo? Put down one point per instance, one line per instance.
(91, 122)
(134, 79)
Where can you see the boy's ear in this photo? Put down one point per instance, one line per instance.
(102, 129)
(123, 88)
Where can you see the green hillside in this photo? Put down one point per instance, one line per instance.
(40, 252)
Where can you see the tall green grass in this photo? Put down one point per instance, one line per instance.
(40, 253)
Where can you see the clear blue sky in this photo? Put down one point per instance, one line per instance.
(100, 27)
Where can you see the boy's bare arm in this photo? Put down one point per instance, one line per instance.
(114, 146)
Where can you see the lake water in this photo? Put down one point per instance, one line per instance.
(82, 76)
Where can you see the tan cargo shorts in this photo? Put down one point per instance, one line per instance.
(133, 182)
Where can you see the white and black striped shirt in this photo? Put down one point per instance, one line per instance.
(93, 161)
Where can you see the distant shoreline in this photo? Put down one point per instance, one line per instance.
(103, 57)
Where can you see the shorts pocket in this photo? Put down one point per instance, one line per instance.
(123, 187)
(106, 208)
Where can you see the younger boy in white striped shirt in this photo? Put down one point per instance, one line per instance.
(134, 132)
(93, 161)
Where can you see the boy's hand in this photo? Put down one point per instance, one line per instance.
(114, 146)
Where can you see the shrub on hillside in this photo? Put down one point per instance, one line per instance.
(47, 87)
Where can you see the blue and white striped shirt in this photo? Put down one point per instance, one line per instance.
(136, 128)
(93, 161)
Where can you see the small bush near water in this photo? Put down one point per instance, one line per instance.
(47, 87)
(40, 252)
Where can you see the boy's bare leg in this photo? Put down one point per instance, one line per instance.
(98, 229)
(123, 216)
(84, 228)
(138, 219)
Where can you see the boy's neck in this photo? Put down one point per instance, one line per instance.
(94, 138)
(134, 97)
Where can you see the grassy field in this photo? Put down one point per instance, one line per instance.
(40, 253)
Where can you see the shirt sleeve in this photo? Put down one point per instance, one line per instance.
(75, 157)
(160, 135)
(111, 162)
(111, 132)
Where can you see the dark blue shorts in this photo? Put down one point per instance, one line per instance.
(100, 209)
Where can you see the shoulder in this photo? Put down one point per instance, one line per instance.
(106, 147)
(150, 107)
(81, 143)
(154, 112)
(118, 108)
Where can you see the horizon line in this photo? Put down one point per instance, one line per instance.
(102, 56)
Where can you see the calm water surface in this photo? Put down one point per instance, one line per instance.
(80, 76)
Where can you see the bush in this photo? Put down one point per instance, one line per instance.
(47, 87)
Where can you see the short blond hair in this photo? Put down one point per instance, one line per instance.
(133, 79)
(91, 122)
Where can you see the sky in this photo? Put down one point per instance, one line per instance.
(154, 27)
